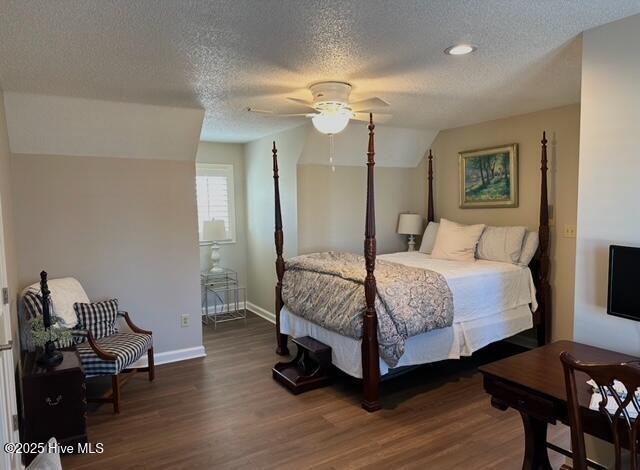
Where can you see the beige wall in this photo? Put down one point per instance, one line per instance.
(609, 196)
(7, 222)
(563, 130)
(261, 255)
(331, 207)
(234, 255)
(126, 228)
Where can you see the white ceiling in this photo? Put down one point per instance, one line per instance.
(228, 54)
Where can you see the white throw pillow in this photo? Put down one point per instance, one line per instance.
(47, 460)
(456, 241)
(529, 248)
(429, 237)
(65, 292)
(501, 244)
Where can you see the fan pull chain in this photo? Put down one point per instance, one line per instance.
(332, 153)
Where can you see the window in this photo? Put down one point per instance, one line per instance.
(214, 191)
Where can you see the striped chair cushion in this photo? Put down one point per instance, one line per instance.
(33, 305)
(127, 347)
(99, 318)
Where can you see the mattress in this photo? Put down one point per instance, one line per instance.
(460, 339)
(480, 288)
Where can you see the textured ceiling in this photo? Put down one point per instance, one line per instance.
(226, 55)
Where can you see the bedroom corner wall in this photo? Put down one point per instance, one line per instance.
(261, 255)
(609, 194)
(563, 131)
(331, 204)
(126, 228)
(121, 217)
(8, 224)
(331, 207)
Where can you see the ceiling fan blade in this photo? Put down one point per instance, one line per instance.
(271, 113)
(377, 117)
(306, 103)
(368, 104)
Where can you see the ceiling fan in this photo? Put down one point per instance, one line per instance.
(330, 110)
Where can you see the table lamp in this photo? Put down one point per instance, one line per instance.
(410, 224)
(214, 231)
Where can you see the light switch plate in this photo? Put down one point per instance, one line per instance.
(569, 231)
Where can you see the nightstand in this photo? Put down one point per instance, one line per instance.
(54, 402)
(223, 298)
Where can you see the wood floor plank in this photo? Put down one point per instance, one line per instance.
(225, 411)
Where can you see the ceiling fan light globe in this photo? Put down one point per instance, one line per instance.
(330, 123)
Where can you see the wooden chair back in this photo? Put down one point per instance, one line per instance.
(615, 406)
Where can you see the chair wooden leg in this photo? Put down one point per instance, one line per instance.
(152, 367)
(115, 386)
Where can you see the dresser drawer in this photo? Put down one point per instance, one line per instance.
(54, 405)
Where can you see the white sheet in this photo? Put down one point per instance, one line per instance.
(480, 288)
(460, 339)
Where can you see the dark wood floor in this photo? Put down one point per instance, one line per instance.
(225, 411)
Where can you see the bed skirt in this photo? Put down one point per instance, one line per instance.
(458, 340)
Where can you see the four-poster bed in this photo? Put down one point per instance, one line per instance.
(369, 350)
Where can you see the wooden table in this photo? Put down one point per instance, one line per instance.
(533, 383)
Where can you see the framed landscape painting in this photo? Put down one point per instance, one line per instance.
(489, 177)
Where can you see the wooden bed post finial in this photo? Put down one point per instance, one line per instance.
(370, 354)
(282, 348)
(430, 211)
(544, 288)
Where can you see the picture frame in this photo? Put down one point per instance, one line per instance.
(489, 177)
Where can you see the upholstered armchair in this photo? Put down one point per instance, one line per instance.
(106, 339)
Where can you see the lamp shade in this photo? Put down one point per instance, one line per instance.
(410, 224)
(330, 123)
(214, 230)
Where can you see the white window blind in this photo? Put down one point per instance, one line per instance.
(215, 195)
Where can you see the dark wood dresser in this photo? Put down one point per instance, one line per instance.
(54, 402)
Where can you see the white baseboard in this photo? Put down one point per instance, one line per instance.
(261, 312)
(172, 356)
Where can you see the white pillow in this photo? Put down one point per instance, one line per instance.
(47, 460)
(429, 237)
(501, 244)
(529, 248)
(65, 292)
(456, 241)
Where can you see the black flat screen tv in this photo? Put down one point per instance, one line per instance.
(624, 282)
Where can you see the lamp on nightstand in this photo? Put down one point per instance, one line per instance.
(410, 224)
(214, 231)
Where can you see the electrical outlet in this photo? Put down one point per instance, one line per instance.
(569, 231)
(185, 320)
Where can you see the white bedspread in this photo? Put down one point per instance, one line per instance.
(480, 288)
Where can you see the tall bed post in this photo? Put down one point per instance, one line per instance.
(544, 288)
(370, 358)
(282, 348)
(430, 211)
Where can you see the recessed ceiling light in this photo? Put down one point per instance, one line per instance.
(460, 49)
